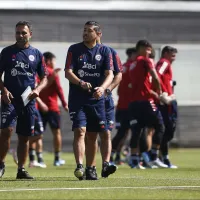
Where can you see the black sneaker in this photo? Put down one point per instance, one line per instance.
(91, 173)
(2, 169)
(108, 169)
(22, 174)
(80, 172)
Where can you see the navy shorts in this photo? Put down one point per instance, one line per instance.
(39, 128)
(90, 115)
(145, 114)
(23, 117)
(110, 111)
(51, 117)
(122, 119)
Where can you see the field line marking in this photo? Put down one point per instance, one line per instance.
(98, 188)
(125, 177)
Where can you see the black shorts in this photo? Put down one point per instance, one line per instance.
(145, 114)
(122, 119)
(51, 117)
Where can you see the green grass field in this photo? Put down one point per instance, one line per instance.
(59, 182)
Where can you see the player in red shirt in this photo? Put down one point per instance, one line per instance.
(121, 114)
(49, 96)
(169, 108)
(143, 110)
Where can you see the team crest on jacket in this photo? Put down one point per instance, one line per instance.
(98, 57)
(81, 57)
(13, 57)
(31, 58)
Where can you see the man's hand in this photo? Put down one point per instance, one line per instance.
(167, 99)
(99, 92)
(34, 94)
(55, 72)
(85, 85)
(44, 108)
(66, 108)
(7, 96)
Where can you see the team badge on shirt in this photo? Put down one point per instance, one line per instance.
(81, 73)
(31, 58)
(13, 57)
(14, 72)
(98, 57)
(4, 120)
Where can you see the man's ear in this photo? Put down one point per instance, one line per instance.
(99, 34)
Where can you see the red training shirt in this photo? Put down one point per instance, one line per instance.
(140, 79)
(50, 94)
(124, 90)
(164, 70)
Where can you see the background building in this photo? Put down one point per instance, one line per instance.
(57, 24)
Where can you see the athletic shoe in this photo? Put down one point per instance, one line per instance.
(108, 169)
(139, 166)
(59, 162)
(42, 165)
(146, 161)
(22, 174)
(168, 163)
(158, 163)
(91, 173)
(34, 163)
(118, 160)
(80, 172)
(2, 169)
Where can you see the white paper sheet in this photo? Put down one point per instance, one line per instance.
(25, 95)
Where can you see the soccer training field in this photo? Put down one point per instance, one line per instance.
(60, 183)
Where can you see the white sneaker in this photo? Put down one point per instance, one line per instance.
(34, 164)
(173, 167)
(146, 159)
(158, 163)
(42, 165)
(59, 162)
(168, 163)
(150, 165)
(138, 167)
(62, 162)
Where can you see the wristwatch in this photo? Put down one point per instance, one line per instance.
(108, 91)
(81, 83)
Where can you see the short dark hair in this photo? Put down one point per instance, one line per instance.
(48, 56)
(96, 24)
(24, 23)
(129, 51)
(168, 49)
(143, 43)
